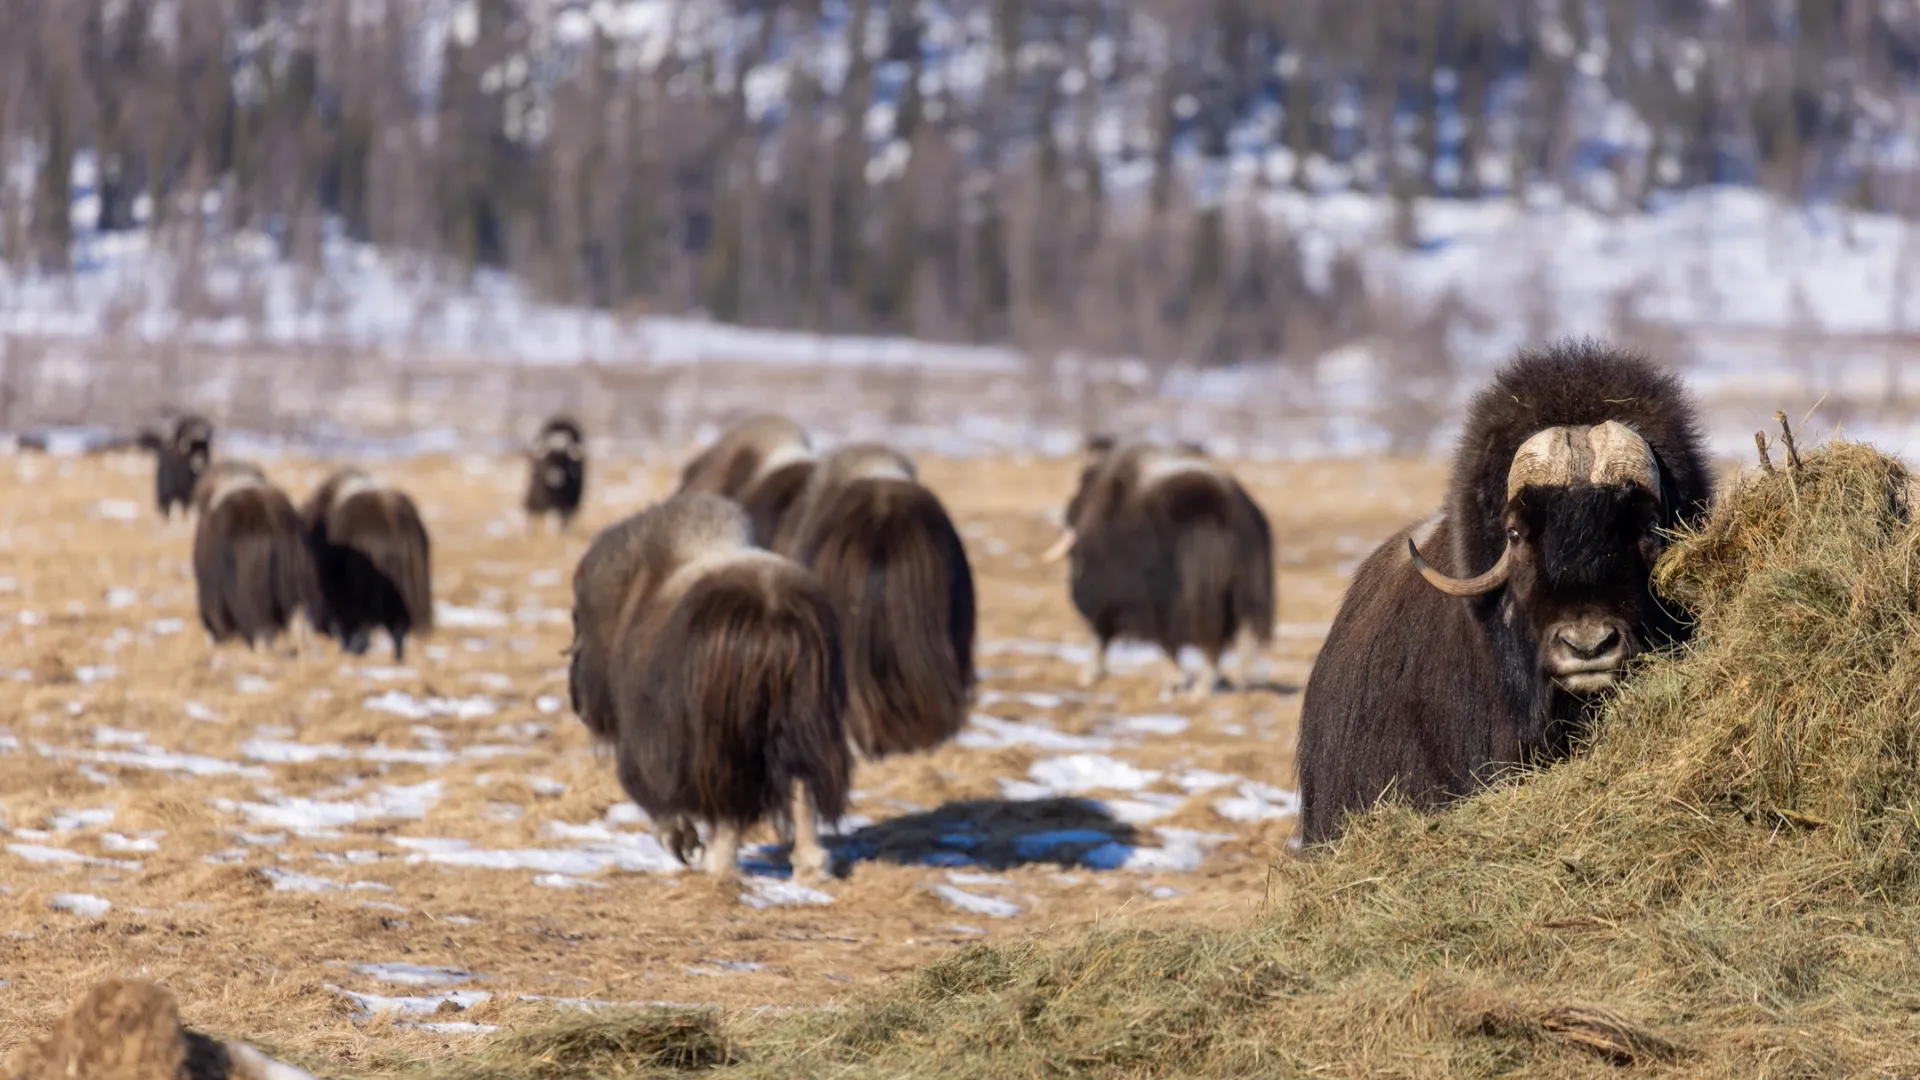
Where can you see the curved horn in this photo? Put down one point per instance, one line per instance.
(1452, 586)
(1620, 455)
(1545, 459)
(1060, 547)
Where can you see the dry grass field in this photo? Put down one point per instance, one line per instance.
(342, 857)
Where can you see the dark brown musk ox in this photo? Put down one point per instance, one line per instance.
(1479, 639)
(713, 668)
(889, 556)
(180, 457)
(375, 561)
(253, 572)
(556, 474)
(761, 463)
(1166, 547)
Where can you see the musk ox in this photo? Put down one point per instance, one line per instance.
(1166, 547)
(762, 463)
(252, 569)
(713, 668)
(180, 457)
(892, 561)
(557, 473)
(1476, 640)
(374, 558)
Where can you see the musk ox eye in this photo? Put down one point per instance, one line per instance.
(1513, 535)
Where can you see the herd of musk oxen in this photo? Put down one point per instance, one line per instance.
(791, 610)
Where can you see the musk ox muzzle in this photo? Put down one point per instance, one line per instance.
(1585, 654)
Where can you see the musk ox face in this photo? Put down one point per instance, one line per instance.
(1583, 524)
(1582, 558)
(1151, 462)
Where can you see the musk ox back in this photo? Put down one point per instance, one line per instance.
(714, 669)
(180, 457)
(374, 558)
(891, 559)
(252, 570)
(557, 472)
(1166, 547)
(1436, 676)
(763, 464)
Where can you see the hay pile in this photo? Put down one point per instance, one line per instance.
(1724, 885)
(129, 1029)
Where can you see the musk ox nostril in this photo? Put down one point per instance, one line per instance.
(1590, 641)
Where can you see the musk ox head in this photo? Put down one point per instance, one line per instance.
(1132, 465)
(559, 439)
(1583, 519)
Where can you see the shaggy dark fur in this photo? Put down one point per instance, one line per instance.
(375, 561)
(898, 574)
(763, 463)
(740, 455)
(252, 570)
(557, 472)
(179, 460)
(714, 668)
(1426, 696)
(1170, 550)
(771, 500)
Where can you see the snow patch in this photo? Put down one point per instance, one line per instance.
(763, 893)
(453, 616)
(985, 732)
(564, 881)
(402, 704)
(975, 904)
(293, 881)
(421, 1005)
(608, 850)
(75, 820)
(1077, 773)
(81, 904)
(403, 974)
(406, 803)
(158, 760)
(38, 853)
(1258, 802)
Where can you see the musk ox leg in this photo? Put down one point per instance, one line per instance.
(1179, 682)
(723, 850)
(1246, 651)
(1096, 667)
(810, 858)
(303, 637)
(1208, 679)
(676, 832)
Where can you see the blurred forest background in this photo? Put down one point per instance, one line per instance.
(1049, 174)
(1042, 171)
